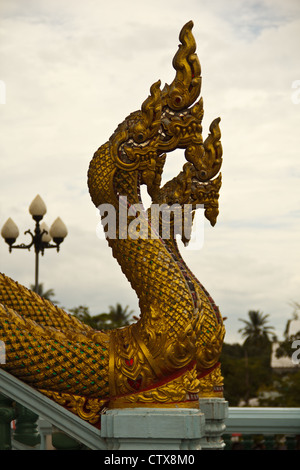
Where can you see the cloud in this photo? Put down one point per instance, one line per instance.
(74, 70)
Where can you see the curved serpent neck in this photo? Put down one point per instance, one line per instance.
(149, 264)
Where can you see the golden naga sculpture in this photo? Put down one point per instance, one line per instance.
(169, 357)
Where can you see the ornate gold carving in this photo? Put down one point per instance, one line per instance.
(89, 409)
(170, 354)
(180, 392)
(212, 383)
(186, 86)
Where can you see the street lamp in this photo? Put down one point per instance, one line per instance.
(42, 236)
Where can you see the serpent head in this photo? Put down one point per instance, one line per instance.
(171, 119)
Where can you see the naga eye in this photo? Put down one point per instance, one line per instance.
(139, 133)
(140, 137)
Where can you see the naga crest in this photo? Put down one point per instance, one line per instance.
(170, 119)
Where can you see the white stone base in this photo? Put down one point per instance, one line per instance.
(215, 411)
(153, 428)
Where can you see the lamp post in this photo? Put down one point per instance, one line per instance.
(26, 427)
(42, 236)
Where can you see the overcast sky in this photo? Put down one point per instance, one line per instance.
(73, 70)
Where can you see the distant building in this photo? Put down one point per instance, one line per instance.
(285, 363)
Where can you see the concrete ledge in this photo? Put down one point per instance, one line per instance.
(259, 420)
(215, 411)
(214, 408)
(153, 428)
(153, 423)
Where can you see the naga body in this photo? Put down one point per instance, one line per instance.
(169, 356)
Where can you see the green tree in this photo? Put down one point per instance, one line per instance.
(284, 391)
(243, 374)
(285, 346)
(117, 317)
(232, 363)
(83, 314)
(295, 316)
(48, 294)
(256, 332)
(246, 366)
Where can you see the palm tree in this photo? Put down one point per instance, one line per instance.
(256, 332)
(45, 294)
(257, 343)
(116, 318)
(83, 314)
